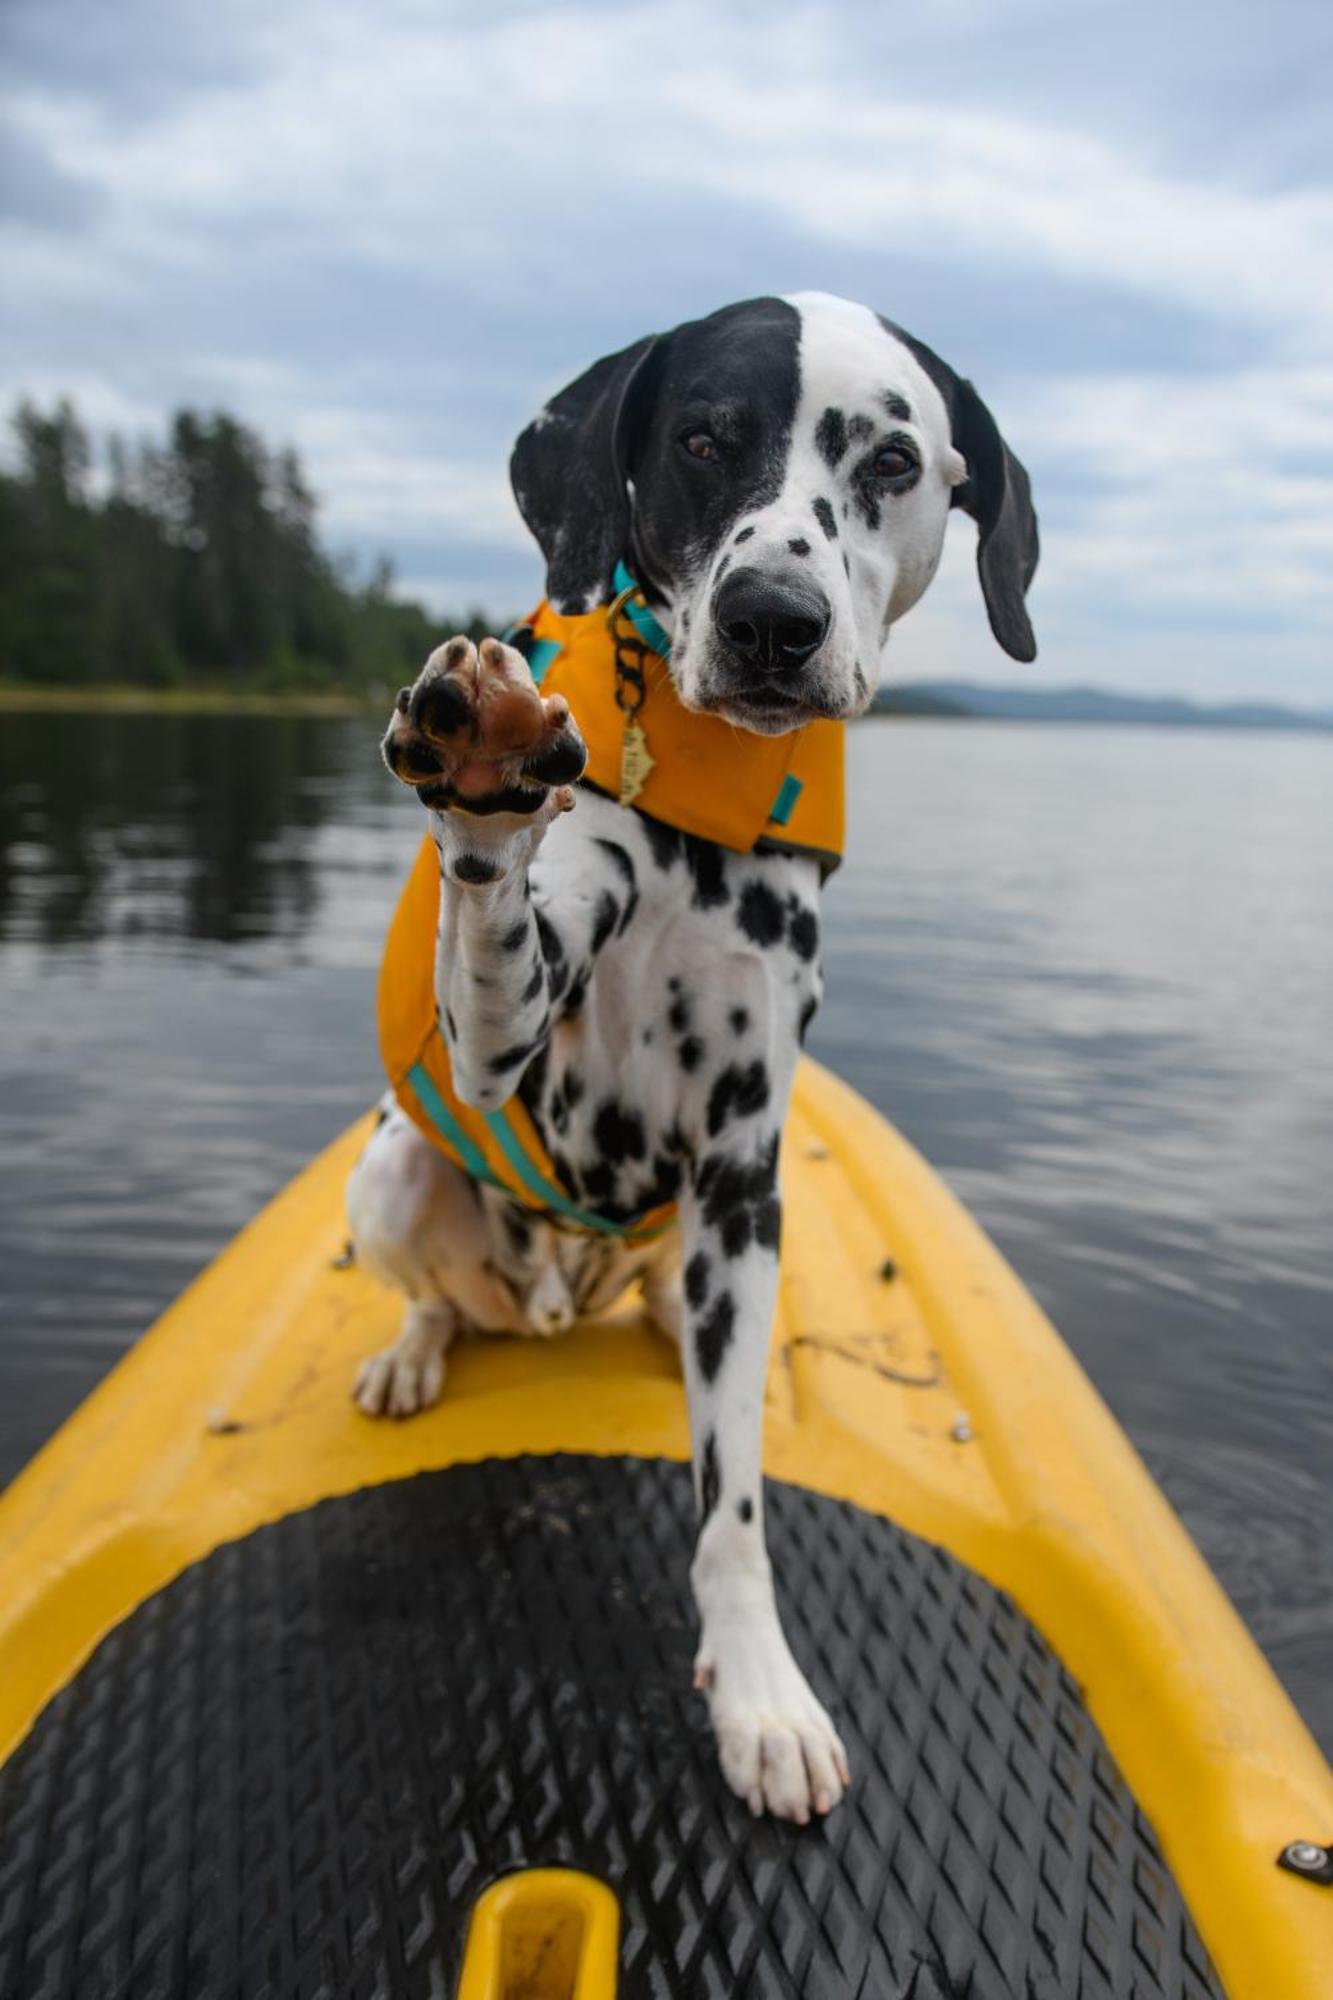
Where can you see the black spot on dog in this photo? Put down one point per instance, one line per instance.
(744, 536)
(831, 438)
(739, 1092)
(808, 1012)
(535, 983)
(714, 1335)
(382, 1116)
(516, 1227)
(662, 1188)
(739, 1018)
(665, 1183)
(648, 1037)
(736, 1232)
(549, 941)
(710, 1480)
(759, 914)
(522, 1052)
(696, 1280)
(573, 1088)
(722, 568)
(513, 939)
(450, 1026)
(618, 1133)
(823, 513)
(705, 863)
(534, 1076)
(608, 916)
(799, 546)
(620, 859)
(898, 406)
(574, 999)
(675, 1141)
(679, 1013)
(565, 1174)
(474, 868)
(723, 1183)
(860, 429)
(846, 564)
(867, 506)
(691, 1053)
(768, 1222)
(745, 1510)
(803, 931)
(663, 840)
(599, 1184)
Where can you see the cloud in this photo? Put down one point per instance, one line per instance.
(36, 191)
(386, 237)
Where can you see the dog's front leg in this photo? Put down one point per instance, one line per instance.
(493, 762)
(778, 1748)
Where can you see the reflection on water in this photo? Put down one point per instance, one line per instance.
(173, 825)
(1089, 972)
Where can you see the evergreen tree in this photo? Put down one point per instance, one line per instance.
(198, 561)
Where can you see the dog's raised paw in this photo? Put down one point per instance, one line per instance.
(473, 734)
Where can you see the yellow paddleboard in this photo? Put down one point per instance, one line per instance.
(285, 1692)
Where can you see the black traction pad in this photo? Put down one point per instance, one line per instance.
(289, 1775)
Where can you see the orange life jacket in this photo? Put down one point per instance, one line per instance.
(695, 772)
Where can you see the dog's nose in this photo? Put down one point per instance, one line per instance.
(768, 621)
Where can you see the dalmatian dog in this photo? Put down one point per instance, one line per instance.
(778, 478)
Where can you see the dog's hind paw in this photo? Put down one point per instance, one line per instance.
(407, 1377)
(778, 1749)
(474, 735)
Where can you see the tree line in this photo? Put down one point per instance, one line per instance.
(190, 563)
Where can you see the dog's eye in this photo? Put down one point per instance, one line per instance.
(892, 462)
(700, 444)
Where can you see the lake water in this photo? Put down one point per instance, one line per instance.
(1089, 972)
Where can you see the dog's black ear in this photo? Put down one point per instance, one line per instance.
(998, 496)
(569, 471)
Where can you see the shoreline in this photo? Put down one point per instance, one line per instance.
(17, 697)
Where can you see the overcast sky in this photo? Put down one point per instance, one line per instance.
(384, 232)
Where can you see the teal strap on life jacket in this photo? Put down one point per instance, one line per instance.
(640, 617)
(785, 803)
(540, 655)
(474, 1161)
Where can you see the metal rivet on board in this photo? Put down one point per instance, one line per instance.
(1307, 1857)
(960, 1430)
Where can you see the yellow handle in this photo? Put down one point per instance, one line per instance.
(545, 1934)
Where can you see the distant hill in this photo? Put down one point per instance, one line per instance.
(1085, 704)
